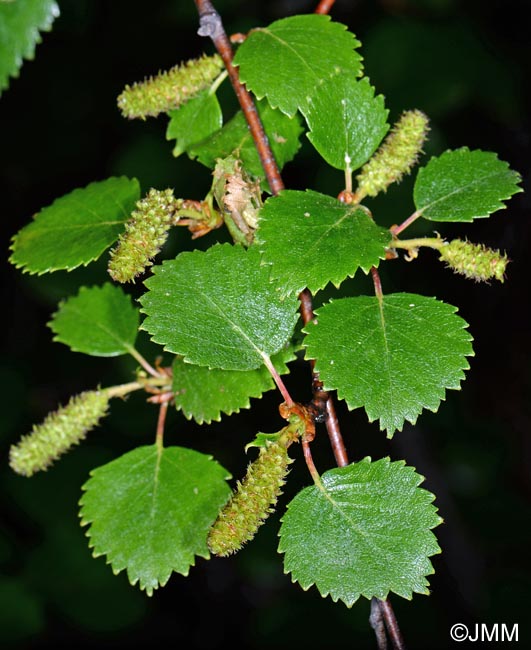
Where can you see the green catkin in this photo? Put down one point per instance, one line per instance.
(145, 234)
(396, 156)
(60, 430)
(474, 261)
(168, 90)
(252, 502)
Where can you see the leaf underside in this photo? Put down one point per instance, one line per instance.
(196, 120)
(365, 531)
(204, 394)
(100, 321)
(150, 511)
(394, 358)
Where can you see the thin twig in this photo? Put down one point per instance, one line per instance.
(324, 6)
(143, 362)
(392, 625)
(377, 623)
(396, 230)
(160, 424)
(212, 26)
(377, 283)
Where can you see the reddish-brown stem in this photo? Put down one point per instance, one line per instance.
(278, 380)
(309, 461)
(160, 424)
(377, 283)
(210, 25)
(396, 230)
(392, 625)
(324, 6)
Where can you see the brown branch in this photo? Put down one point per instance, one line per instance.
(160, 424)
(377, 623)
(324, 6)
(392, 625)
(210, 25)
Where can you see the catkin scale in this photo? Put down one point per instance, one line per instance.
(60, 430)
(168, 90)
(252, 502)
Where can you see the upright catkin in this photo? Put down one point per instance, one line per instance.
(60, 431)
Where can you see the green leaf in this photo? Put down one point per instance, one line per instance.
(365, 530)
(76, 228)
(311, 239)
(100, 321)
(286, 61)
(20, 24)
(150, 511)
(218, 309)
(359, 121)
(204, 394)
(394, 357)
(283, 134)
(194, 121)
(464, 185)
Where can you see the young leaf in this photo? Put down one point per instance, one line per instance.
(394, 357)
(204, 394)
(359, 121)
(365, 530)
(150, 511)
(100, 321)
(20, 24)
(283, 134)
(286, 61)
(464, 185)
(311, 239)
(76, 228)
(194, 121)
(218, 309)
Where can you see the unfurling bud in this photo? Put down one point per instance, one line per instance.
(60, 430)
(145, 234)
(396, 156)
(252, 502)
(170, 89)
(474, 261)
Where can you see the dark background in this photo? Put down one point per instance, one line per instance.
(467, 65)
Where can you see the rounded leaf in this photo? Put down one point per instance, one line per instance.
(218, 309)
(150, 511)
(365, 530)
(394, 357)
(100, 321)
